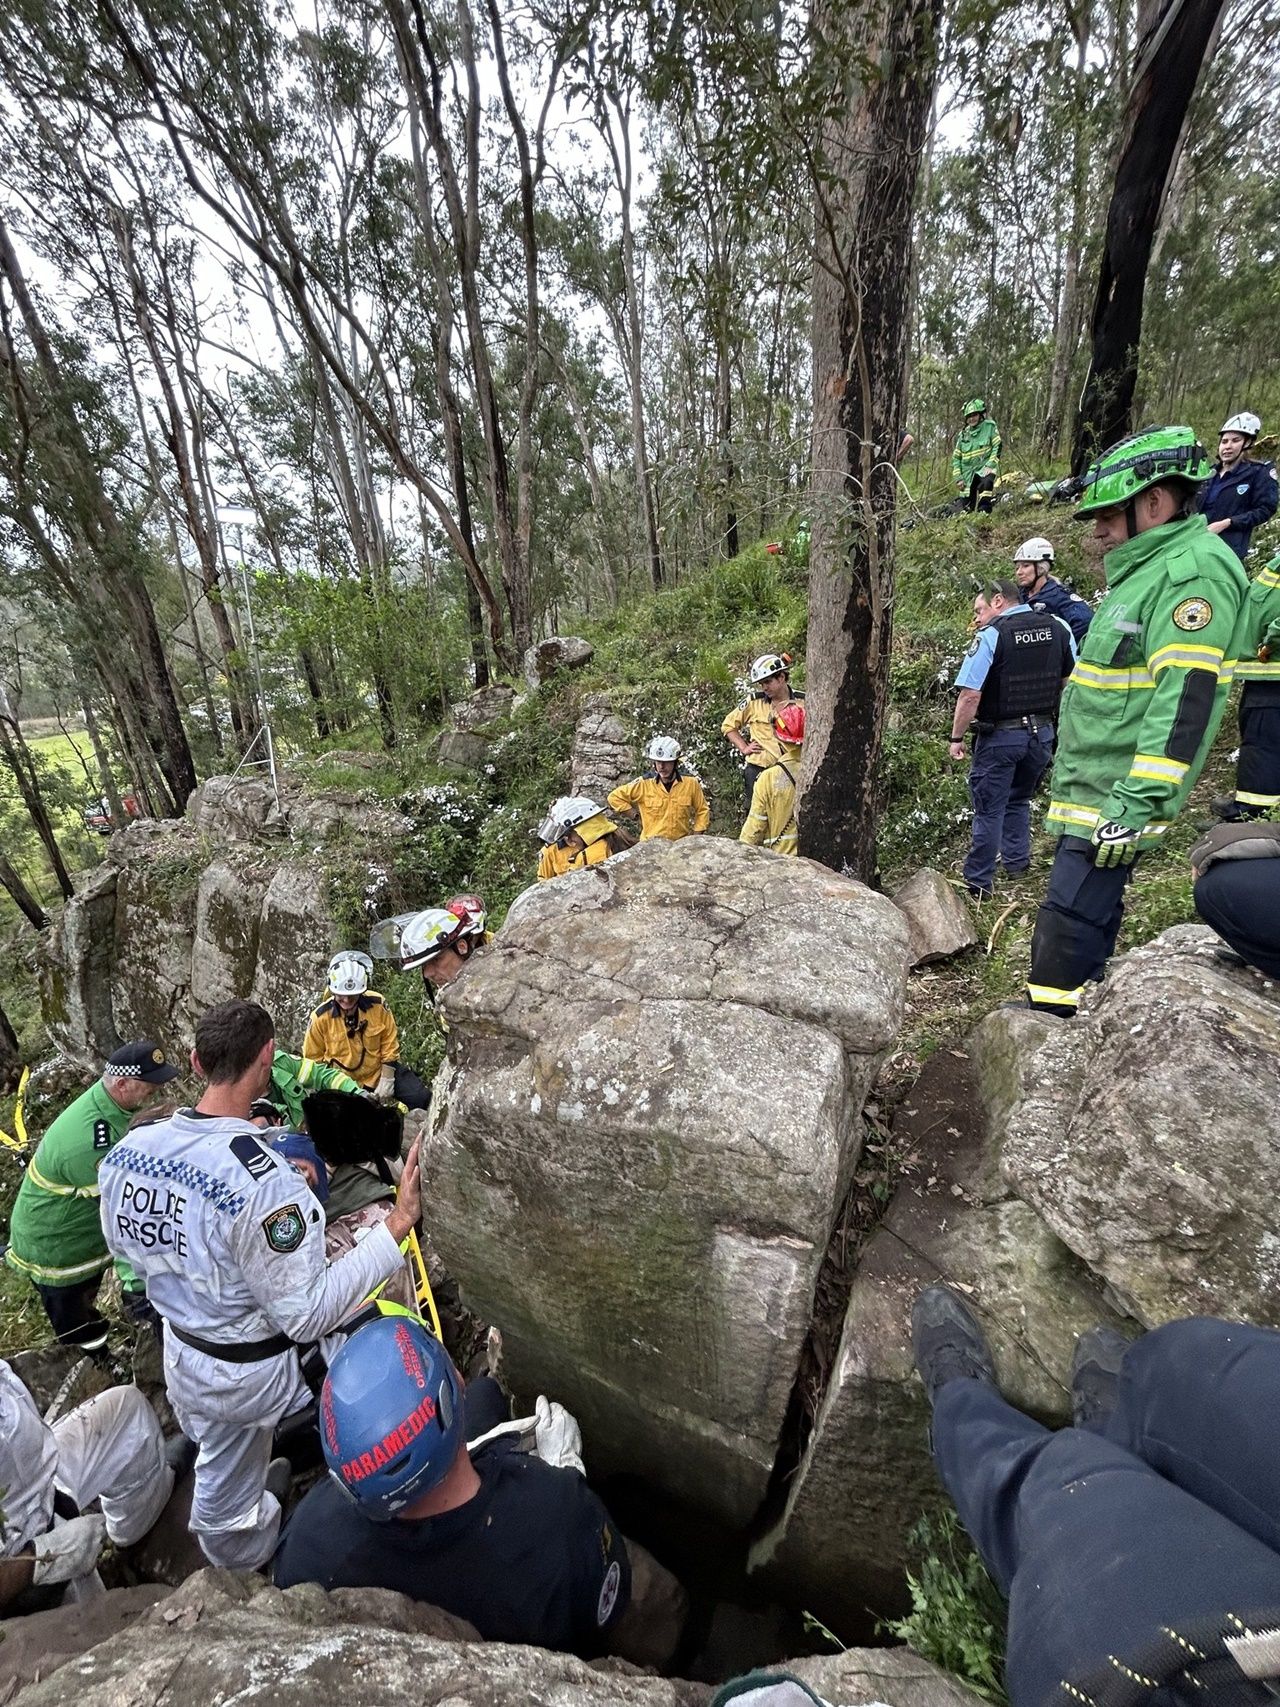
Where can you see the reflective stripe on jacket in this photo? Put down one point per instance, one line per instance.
(1150, 686)
(976, 448)
(669, 813)
(55, 1235)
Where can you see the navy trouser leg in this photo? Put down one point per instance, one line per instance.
(1076, 926)
(1095, 1550)
(1258, 766)
(486, 1406)
(991, 777)
(1015, 843)
(1240, 899)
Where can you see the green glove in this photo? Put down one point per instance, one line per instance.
(1116, 843)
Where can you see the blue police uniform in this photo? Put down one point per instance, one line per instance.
(1018, 663)
(1122, 1545)
(533, 1556)
(1061, 602)
(1247, 494)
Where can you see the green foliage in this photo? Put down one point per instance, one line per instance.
(957, 1617)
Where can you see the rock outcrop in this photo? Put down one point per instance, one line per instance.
(1144, 1135)
(223, 1637)
(603, 752)
(230, 900)
(559, 652)
(643, 1135)
(466, 745)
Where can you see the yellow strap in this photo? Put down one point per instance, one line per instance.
(19, 1143)
(1046, 994)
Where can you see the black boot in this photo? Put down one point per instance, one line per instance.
(948, 1342)
(1095, 1376)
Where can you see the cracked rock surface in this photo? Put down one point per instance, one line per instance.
(646, 1126)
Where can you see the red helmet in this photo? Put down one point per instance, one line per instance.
(470, 910)
(788, 725)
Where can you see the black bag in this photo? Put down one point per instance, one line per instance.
(349, 1128)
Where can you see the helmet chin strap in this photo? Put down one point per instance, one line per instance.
(1131, 518)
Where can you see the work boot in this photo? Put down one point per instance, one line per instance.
(179, 1455)
(947, 1341)
(280, 1480)
(1224, 806)
(1095, 1375)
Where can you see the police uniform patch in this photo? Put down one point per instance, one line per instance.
(973, 648)
(102, 1135)
(251, 1156)
(1192, 614)
(608, 1594)
(285, 1229)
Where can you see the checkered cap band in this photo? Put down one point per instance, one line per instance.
(133, 1071)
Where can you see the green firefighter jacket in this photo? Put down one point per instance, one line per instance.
(1149, 688)
(55, 1235)
(292, 1078)
(976, 448)
(1261, 627)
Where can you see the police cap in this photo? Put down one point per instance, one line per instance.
(141, 1060)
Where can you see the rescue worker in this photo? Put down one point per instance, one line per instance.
(1257, 790)
(109, 1451)
(1032, 563)
(1237, 891)
(1010, 681)
(55, 1235)
(576, 833)
(436, 941)
(771, 822)
(354, 1029)
(1139, 1549)
(1242, 494)
(513, 1541)
(668, 798)
(1144, 700)
(975, 460)
(749, 727)
(229, 1243)
(292, 1078)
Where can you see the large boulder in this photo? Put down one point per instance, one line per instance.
(602, 749)
(484, 707)
(559, 652)
(941, 924)
(76, 967)
(224, 953)
(295, 942)
(462, 749)
(866, 1475)
(223, 1638)
(1143, 1134)
(152, 939)
(235, 809)
(643, 1134)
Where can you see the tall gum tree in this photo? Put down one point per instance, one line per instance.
(864, 174)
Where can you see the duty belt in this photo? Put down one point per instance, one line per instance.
(244, 1351)
(1031, 720)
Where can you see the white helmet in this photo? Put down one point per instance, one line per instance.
(768, 664)
(349, 973)
(428, 934)
(1245, 422)
(1035, 550)
(664, 747)
(567, 812)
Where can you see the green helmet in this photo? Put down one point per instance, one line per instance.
(1161, 453)
(975, 406)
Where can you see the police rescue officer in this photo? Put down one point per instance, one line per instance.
(1032, 566)
(1144, 701)
(1241, 494)
(1010, 682)
(229, 1241)
(55, 1237)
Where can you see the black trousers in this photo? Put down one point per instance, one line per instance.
(74, 1315)
(1258, 766)
(1240, 898)
(1106, 1541)
(750, 773)
(981, 493)
(1076, 927)
(486, 1406)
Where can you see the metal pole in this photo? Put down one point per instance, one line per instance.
(257, 667)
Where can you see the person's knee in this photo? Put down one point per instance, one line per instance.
(1170, 1357)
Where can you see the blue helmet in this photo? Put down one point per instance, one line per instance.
(390, 1416)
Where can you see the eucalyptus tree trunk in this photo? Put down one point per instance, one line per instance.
(868, 161)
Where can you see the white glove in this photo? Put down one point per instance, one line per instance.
(385, 1088)
(559, 1439)
(69, 1550)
